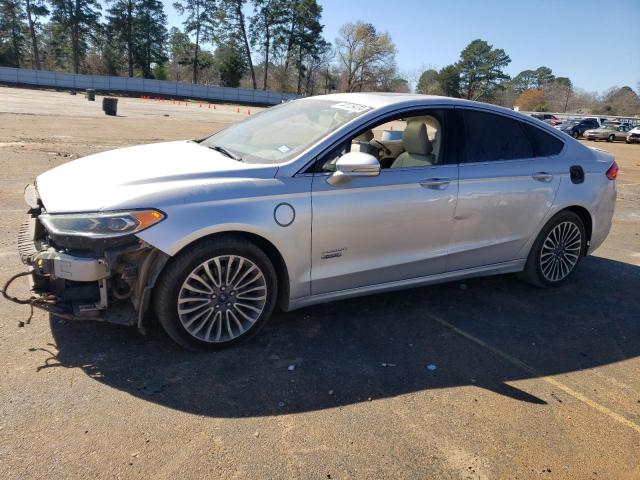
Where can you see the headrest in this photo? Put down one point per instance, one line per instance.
(364, 137)
(415, 140)
(432, 124)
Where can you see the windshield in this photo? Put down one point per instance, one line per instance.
(280, 133)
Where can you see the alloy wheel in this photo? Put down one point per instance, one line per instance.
(560, 251)
(222, 298)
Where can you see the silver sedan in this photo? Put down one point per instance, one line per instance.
(319, 199)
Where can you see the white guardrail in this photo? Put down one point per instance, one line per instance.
(141, 86)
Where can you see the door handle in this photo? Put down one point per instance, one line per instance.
(542, 176)
(435, 183)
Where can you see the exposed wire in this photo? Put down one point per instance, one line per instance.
(42, 303)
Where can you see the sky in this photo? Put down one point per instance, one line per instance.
(593, 42)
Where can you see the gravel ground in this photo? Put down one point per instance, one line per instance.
(523, 383)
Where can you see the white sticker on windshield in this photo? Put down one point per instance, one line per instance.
(283, 148)
(351, 107)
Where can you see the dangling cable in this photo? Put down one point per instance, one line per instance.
(45, 304)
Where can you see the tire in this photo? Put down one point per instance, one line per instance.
(209, 314)
(575, 134)
(541, 271)
(110, 106)
(611, 138)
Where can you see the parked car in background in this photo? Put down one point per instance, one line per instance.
(576, 128)
(318, 199)
(608, 132)
(547, 118)
(634, 135)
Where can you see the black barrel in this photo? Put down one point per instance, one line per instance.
(90, 94)
(110, 105)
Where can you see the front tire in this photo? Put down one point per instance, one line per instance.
(575, 134)
(556, 252)
(216, 293)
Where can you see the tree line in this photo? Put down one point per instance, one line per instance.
(268, 44)
(480, 74)
(217, 44)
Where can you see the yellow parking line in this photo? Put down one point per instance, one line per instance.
(529, 369)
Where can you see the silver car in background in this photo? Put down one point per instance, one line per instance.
(319, 199)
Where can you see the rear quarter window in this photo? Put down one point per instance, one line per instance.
(544, 144)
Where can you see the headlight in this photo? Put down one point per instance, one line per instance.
(101, 224)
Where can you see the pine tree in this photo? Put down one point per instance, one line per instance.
(481, 69)
(120, 29)
(35, 9)
(150, 35)
(308, 39)
(269, 16)
(78, 21)
(200, 17)
(12, 29)
(234, 29)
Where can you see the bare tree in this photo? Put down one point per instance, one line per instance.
(366, 56)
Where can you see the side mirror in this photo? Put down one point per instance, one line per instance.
(354, 164)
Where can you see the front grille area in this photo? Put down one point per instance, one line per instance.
(26, 246)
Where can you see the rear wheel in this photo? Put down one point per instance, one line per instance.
(611, 138)
(575, 134)
(217, 293)
(556, 252)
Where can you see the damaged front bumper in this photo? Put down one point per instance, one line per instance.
(87, 280)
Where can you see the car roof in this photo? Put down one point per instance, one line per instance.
(385, 99)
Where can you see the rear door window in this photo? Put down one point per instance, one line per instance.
(490, 137)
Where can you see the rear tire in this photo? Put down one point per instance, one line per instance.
(557, 251)
(611, 138)
(216, 293)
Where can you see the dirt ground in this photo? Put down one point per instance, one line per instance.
(527, 383)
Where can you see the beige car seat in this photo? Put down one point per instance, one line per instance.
(433, 133)
(361, 143)
(417, 147)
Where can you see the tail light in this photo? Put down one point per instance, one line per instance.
(612, 173)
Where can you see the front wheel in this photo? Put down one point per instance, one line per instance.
(216, 293)
(575, 134)
(556, 252)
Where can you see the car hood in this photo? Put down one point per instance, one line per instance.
(136, 177)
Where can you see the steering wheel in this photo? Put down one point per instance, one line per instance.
(380, 146)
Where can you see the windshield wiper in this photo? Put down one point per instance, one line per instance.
(225, 152)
